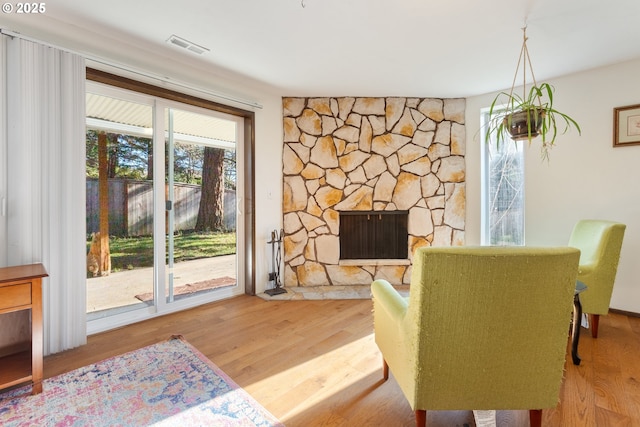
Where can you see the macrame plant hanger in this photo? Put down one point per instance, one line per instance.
(528, 116)
(525, 60)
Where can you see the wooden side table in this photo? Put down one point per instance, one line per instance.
(21, 289)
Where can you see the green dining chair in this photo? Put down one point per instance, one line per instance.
(600, 243)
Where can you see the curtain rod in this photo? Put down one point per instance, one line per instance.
(138, 72)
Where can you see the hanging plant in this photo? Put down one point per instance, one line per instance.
(528, 116)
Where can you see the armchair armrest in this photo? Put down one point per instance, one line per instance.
(391, 335)
(387, 298)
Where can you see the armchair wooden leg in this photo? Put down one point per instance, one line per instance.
(421, 418)
(385, 369)
(594, 320)
(535, 417)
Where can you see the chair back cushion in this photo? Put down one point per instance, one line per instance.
(488, 326)
(600, 243)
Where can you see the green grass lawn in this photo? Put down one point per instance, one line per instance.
(128, 253)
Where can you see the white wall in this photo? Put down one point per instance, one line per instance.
(586, 178)
(268, 204)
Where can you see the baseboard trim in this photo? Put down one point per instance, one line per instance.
(626, 313)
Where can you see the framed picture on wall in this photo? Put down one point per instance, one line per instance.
(626, 125)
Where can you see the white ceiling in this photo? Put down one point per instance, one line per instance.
(445, 48)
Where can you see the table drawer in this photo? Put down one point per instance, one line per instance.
(15, 295)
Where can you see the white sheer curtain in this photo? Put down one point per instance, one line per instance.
(3, 153)
(45, 116)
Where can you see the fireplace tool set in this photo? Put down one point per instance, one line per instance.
(276, 257)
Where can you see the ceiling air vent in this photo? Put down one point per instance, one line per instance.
(186, 44)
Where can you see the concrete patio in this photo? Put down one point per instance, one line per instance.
(120, 288)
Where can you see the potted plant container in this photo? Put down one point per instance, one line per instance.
(527, 117)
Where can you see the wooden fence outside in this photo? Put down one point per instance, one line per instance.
(131, 207)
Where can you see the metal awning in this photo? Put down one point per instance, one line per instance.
(127, 117)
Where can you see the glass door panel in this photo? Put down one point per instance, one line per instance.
(119, 204)
(201, 205)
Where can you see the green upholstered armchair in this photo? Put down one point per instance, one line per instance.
(482, 328)
(600, 243)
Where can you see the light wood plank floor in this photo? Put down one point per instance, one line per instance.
(314, 363)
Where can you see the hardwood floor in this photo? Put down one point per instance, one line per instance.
(314, 363)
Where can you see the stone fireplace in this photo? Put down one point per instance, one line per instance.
(349, 156)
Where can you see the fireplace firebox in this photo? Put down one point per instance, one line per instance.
(373, 235)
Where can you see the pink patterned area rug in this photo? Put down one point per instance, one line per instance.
(166, 384)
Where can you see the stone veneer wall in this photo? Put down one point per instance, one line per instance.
(345, 154)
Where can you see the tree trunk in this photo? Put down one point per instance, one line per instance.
(211, 210)
(112, 146)
(150, 163)
(100, 241)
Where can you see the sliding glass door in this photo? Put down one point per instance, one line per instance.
(162, 224)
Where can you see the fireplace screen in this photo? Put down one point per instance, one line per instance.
(373, 235)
